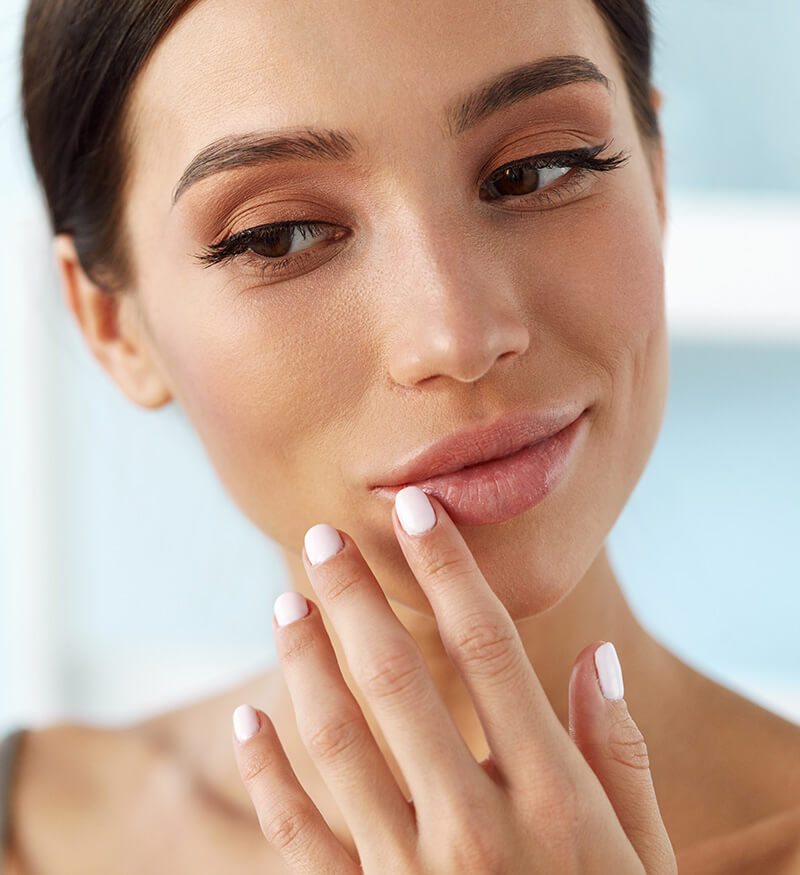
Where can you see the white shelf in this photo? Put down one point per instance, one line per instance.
(733, 268)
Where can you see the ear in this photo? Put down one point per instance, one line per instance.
(113, 328)
(658, 163)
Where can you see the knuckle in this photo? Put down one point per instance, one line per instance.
(394, 674)
(478, 854)
(337, 739)
(346, 580)
(296, 645)
(472, 832)
(256, 763)
(626, 744)
(565, 802)
(559, 807)
(486, 641)
(445, 564)
(288, 828)
(475, 849)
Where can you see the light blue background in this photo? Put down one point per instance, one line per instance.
(729, 71)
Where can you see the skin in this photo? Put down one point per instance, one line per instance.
(439, 312)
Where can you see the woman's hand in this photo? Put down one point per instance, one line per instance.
(544, 801)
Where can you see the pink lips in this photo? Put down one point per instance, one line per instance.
(481, 443)
(495, 490)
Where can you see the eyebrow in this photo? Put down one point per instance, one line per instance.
(324, 144)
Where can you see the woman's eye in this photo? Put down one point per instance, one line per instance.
(273, 247)
(518, 180)
(535, 176)
(282, 241)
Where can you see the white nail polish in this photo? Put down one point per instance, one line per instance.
(321, 542)
(290, 606)
(415, 512)
(245, 722)
(609, 671)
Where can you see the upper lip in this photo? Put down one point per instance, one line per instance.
(481, 443)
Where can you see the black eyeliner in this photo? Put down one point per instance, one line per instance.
(240, 242)
(584, 156)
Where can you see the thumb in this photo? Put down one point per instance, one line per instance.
(615, 749)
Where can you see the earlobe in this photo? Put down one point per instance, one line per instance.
(656, 99)
(111, 331)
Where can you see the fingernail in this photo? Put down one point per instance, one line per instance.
(245, 722)
(321, 542)
(289, 606)
(609, 671)
(414, 510)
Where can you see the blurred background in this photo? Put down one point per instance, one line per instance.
(130, 583)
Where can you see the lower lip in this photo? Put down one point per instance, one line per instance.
(502, 488)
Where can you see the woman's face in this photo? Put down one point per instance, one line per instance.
(419, 307)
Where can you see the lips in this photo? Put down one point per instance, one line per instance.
(502, 437)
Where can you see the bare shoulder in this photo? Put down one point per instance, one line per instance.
(756, 794)
(62, 774)
(768, 845)
(98, 800)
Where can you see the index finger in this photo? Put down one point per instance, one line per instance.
(481, 639)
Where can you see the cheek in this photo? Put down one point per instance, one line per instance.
(238, 371)
(262, 388)
(600, 298)
(230, 380)
(610, 282)
(625, 300)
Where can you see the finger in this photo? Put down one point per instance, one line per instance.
(389, 668)
(614, 747)
(336, 734)
(289, 820)
(483, 643)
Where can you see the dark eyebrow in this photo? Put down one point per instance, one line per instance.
(324, 144)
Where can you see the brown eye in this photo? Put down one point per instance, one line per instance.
(270, 244)
(518, 180)
(274, 244)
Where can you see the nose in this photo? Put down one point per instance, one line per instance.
(452, 309)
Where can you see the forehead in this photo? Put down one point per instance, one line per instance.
(376, 68)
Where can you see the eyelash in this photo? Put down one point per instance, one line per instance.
(583, 161)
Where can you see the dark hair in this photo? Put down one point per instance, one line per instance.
(80, 59)
(629, 24)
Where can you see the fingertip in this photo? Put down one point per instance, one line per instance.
(246, 722)
(586, 700)
(584, 667)
(609, 671)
